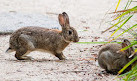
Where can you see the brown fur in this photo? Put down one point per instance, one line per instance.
(56, 30)
(54, 41)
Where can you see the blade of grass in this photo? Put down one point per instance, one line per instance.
(128, 11)
(121, 25)
(132, 33)
(125, 31)
(122, 11)
(127, 77)
(117, 5)
(135, 42)
(132, 76)
(135, 50)
(133, 53)
(129, 63)
(134, 69)
(113, 25)
(125, 8)
(123, 14)
(128, 3)
(125, 74)
(134, 7)
(96, 42)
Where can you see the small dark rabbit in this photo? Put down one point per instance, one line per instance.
(112, 59)
(28, 39)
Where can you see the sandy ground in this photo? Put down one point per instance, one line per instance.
(80, 64)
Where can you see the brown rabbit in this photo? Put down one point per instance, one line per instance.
(28, 39)
(112, 59)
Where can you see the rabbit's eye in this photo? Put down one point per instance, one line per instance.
(69, 32)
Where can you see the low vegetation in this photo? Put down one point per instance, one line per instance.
(125, 15)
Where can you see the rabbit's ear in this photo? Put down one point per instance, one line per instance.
(61, 20)
(126, 43)
(66, 17)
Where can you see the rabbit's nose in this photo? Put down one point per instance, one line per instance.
(76, 40)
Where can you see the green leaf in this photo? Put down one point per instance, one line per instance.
(96, 42)
(125, 74)
(117, 5)
(135, 50)
(134, 59)
(132, 72)
(127, 12)
(121, 25)
(122, 14)
(125, 31)
(128, 3)
(114, 25)
(135, 42)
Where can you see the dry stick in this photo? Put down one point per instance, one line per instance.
(106, 30)
(122, 11)
(119, 11)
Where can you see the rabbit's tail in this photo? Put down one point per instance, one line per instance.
(9, 50)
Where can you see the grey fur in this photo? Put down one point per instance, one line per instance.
(112, 59)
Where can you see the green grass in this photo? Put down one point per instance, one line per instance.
(126, 15)
(96, 42)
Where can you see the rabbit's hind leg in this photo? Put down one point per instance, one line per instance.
(25, 46)
(26, 41)
(60, 56)
(21, 54)
(102, 61)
